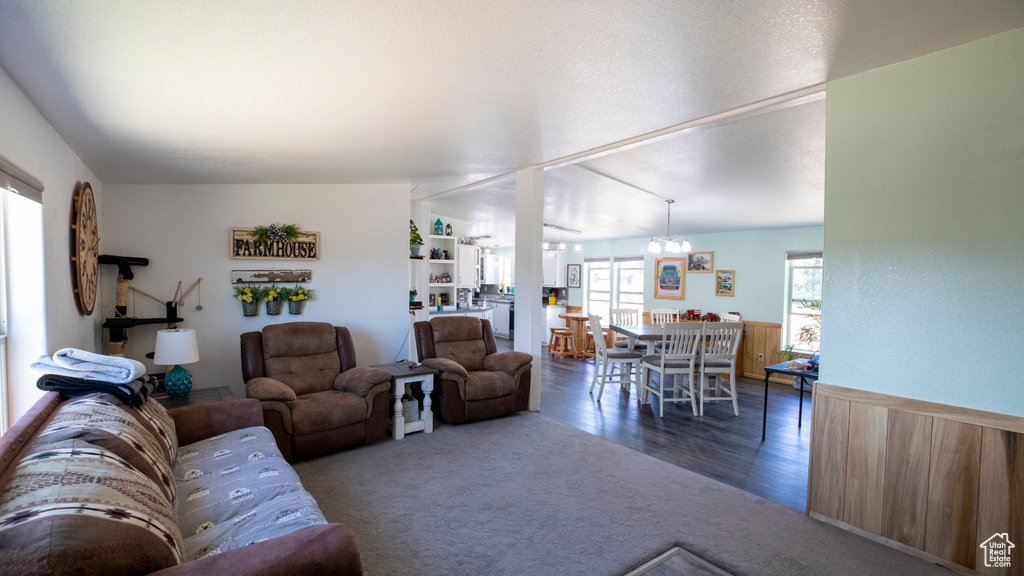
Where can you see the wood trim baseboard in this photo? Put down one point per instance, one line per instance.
(925, 408)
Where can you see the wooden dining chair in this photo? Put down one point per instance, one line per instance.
(607, 362)
(722, 343)
(662, 315)
(677, 361)
(625, 316)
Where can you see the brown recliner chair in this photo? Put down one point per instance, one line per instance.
(314, 398)
(475, 382)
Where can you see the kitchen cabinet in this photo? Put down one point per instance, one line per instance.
(490, 273)
(468, 265)
(500, 323)
(553, 268)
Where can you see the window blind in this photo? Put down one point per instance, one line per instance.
(629, 258)
(591, 260)
(802, 254)
(20, 182)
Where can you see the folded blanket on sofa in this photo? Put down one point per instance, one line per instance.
(90, 366)
(134, 392)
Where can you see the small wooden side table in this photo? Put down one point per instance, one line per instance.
(402, 375)
(197, 396)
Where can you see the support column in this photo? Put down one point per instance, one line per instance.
(528, 273)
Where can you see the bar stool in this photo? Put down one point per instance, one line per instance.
(561, 342)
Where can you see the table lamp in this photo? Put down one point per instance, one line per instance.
(176, 347)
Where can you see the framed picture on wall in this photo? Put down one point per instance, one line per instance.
(573, 273)
(700, 262)
(725, 282)
(670, 278)
(432, 300)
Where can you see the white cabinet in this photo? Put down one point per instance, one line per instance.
(491, 271)
(468, 264)
(554, 269)
(500, 323)
(441, 273)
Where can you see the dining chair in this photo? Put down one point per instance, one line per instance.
(662, 315)
(722, 343)
(677, 359)
(606, 362)
(625, 316)
(730, 317)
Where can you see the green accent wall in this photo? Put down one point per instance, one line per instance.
(924, 227)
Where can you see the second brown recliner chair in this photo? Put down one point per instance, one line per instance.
(475, 381)
(315, 400)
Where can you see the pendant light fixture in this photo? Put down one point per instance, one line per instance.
(578, 247)
(671, 246)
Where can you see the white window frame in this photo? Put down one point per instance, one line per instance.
(788, 313)
(617, 267)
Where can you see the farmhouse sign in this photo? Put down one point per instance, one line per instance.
(306, 246)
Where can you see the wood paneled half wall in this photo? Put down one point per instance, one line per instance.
(936, 478)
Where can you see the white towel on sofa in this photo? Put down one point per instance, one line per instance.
(90, 366)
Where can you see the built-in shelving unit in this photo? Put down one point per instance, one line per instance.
(439, 267)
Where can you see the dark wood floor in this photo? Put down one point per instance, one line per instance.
(718, 445)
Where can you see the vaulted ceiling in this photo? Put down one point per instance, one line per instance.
(446, 93)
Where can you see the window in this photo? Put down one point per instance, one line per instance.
(629, 281)
(613, 285)
(801, 328)
(599, 287)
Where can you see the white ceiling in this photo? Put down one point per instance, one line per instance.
(446, 93)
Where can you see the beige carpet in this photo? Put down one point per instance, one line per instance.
(528, 495)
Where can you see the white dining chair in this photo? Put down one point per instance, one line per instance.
(718, 358)
(730, 317)
(625, 316)
(662, 315)
(608, 362)
(676, 361)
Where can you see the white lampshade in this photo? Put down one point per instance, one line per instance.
(176, 347)
(671, 246)
(686, 245)
(654, 247)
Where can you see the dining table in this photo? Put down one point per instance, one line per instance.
(577, 323)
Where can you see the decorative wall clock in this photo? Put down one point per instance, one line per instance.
(85, 250)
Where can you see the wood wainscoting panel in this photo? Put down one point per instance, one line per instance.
(761, 346)
(1001, 495)
(951, 522)
(905, 492)
(831, 422)
(865, 466)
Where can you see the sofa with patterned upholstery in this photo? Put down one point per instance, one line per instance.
(474, 380)
(91, 485)
(315, 400)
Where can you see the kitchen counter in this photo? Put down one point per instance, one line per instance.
(471, 309)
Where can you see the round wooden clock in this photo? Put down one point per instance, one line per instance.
(85, 253)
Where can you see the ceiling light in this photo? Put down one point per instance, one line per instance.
(671, 246)
(546, 245)
(578, 247)
(561, 245)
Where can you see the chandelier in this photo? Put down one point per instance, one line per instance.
(671, 246)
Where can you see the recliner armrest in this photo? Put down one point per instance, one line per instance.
(360, 380)
(447, 367)
(197, 422)
(265, 388)
(507, 362)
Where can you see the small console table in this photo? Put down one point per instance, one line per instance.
(402, 375)
(783, 368)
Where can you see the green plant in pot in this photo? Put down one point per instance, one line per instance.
(412, 295)
(297, 297)
(274, 297)
(415, 240)
(249, 295)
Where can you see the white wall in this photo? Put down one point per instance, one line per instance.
(361, 280)
(924, 228)
(757, 256)
(28, 140)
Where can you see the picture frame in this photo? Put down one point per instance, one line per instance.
(670, 278)
(725, 282)
(700, 262)
(432, 300)
(443, 299)
(573, 274)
